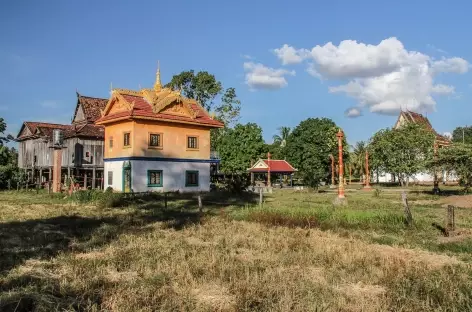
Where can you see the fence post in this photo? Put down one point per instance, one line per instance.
(260, 197)
(165, 200)
(200, 206)
(408, 216)
(450, 223)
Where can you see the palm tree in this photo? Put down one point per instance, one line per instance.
(281, 139)
(357, 159)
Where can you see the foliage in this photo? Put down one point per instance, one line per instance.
(404, 152)
(462, 135)
(8, 160)
(458, 159)
(229, 109)
(281, 138)
(238, 146)
(202, 86)
(3, 128)
(309, 146)
(357, 159)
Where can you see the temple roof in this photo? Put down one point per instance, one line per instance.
(275, 166)
(413, 117)
(158, 103)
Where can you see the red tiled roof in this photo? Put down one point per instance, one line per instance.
(420, 119)
(92, 107)
(142, 108)
(275, 166)
(43, 129)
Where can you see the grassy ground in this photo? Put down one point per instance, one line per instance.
(297, 253)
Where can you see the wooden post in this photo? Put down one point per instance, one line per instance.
(165, 200)
(200, 206)
(85, 180)
(261, 197)
(56, 187)
(252, 173)
(93, 177)
(450, 223)
(9, 184)
(350, 173)
(50, 174)
(40, 175)
(408, 216)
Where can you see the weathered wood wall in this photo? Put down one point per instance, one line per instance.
(77, 152)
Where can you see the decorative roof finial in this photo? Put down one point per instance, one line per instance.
(157, 84)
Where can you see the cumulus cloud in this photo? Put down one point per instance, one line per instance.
(383, 78)
(259, 76)
(451, 65)
(443, 89)
(289, 55)
(353, 112)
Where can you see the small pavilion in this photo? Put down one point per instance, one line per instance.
(271, 166)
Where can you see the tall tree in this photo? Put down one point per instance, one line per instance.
(462, 135)
(357, 158)
(202, 86)
(3, 128)
(309, 146)
(238, 146)
(403, 152)
(281, 138)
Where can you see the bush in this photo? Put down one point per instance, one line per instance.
(111, 200)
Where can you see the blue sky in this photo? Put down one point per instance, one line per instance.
(383, 56)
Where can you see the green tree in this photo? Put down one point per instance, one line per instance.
(202, 86)
(238, 146)
(281, 138)
(404, 152)
(309, 146)
(457, 158)
(357, 159)
(462, 135)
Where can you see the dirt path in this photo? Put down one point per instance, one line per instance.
(464, 201)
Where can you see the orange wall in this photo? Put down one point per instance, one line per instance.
(116, 131)
(174, 140)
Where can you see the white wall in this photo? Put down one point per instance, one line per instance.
(173, 175)
(117, 168)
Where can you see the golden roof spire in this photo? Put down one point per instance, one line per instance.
(157, 84)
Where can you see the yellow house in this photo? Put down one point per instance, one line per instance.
(156, 140)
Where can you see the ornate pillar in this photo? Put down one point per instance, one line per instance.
(340, 136)
(56, 186)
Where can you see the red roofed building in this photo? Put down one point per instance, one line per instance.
(156, 140)
(82, 155)
(271, 166)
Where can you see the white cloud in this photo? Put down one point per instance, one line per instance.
(353, 112)
(383, 78)
(259, 76)
(49, 104)
(247, 56)
(443, 89)
(289, 55)
(451, 65)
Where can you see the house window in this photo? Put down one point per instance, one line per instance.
(191, 178)
(155, 140)
(111, 142)
(155, 177)
(110, 177)
(192, 142)
(127, 139)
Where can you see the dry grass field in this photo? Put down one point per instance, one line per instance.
(296, 253)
